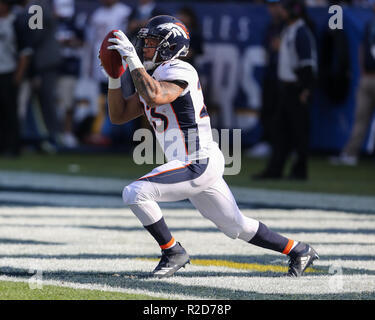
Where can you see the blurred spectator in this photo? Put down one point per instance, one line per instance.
(270, 88)
(43, 72)
(364, 3)
(297, 66)
(316, 3)
(113, 14)
(70, 36)
(365, 103)
(335, 66)
(14, 59)
(144, 10)
(189, 19)
(141, 13)
(340, 2)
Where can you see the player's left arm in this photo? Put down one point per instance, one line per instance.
(156, 92)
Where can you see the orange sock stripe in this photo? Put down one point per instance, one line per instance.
(288, 246)
(167, 245)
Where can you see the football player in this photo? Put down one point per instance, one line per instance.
(168, 92)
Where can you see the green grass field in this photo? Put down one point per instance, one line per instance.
(21, 291)
(323, 178)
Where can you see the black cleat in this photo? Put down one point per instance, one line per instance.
(171, 260)
(298, 264)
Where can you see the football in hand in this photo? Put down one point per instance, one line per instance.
(111, 59)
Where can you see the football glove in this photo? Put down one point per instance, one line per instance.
(126, 50)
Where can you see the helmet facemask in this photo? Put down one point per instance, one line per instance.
(164, 50)
(141, 43)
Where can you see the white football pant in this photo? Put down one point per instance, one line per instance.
(207, 191)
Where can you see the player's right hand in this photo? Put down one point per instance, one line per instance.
(123, 45)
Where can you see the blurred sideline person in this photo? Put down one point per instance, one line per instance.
(188, 17)
(297, 70)
(142, 12)
(14, 59)
(43, 72)
(169, 94)
(112, 14)
(365, 103)
(270, 83)
(316, 3)
(70, 36)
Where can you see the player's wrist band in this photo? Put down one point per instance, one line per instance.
(114, 83)
(134, 63)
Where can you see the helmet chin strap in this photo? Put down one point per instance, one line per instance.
(151, 64)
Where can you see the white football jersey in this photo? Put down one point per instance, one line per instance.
(182, 127)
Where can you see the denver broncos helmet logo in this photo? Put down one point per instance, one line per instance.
(177, 28)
